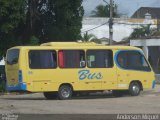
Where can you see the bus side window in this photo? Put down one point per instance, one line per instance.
(91, 60)
(42, 59)
(99, 58)
(71, 58)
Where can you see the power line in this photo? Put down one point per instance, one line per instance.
(117, 23)
(95, 27)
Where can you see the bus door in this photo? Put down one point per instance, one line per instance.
(12, 67)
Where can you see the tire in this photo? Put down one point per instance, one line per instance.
(50, 95)
(134, 89)
(65, 92)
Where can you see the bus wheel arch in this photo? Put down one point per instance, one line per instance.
(50, 95)
(135, 87)
(65, 91)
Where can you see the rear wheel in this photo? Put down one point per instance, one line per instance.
(134, 89)
(65, 92)
(50, 95)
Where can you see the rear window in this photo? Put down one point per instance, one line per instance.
(42, 59)
(12, 56)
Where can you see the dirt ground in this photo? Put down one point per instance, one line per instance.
(146, 102)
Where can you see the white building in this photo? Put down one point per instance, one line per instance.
(2, 62)
(151, 48)
(122, 27)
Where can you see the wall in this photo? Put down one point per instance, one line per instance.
(2, 62)
(122, 27)
(152, 50)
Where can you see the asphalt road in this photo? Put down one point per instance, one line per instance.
(146, 102)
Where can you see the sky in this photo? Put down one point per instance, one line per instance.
(125, 7)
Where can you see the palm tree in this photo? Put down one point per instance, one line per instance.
(101, 11)
(90, 38)
(143, 31)
(104, 11)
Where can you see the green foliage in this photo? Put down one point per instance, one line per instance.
(11, 14)
(90, 38)
(104, 11)
(34, 40)
(143, 31)
(24, 22)
(67, 24)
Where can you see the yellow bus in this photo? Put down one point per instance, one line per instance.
(61, 69)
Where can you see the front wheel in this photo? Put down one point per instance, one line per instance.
(65, 92)
(134, 89)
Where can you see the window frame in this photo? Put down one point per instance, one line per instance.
(125, 68)
(71, 50)
(11, 63)
(100, 50)
(42, 50)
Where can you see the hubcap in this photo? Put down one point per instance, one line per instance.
(65, 92)
(135, 89)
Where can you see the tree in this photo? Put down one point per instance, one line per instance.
(68, 17)
(90, 38)
(34, 41)
(11, 15)
(104, 11)
(54, 20)
(46, 20)
(143, 31)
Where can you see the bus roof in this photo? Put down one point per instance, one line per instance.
(75, 45)
(69, 44)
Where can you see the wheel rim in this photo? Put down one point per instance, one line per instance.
(135, 89)
(65, 92)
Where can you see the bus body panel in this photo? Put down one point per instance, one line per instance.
(81, 79)
(126, 76)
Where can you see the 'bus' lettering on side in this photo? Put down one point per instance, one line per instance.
(85, 74)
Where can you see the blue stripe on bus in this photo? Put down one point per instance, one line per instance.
(19, 87)
(153, 84)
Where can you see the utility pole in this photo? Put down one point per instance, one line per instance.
(110, 21)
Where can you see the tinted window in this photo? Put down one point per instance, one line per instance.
(99, 59)
(132, 60)
(12, 56)
(42, 59)
(71, 58)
